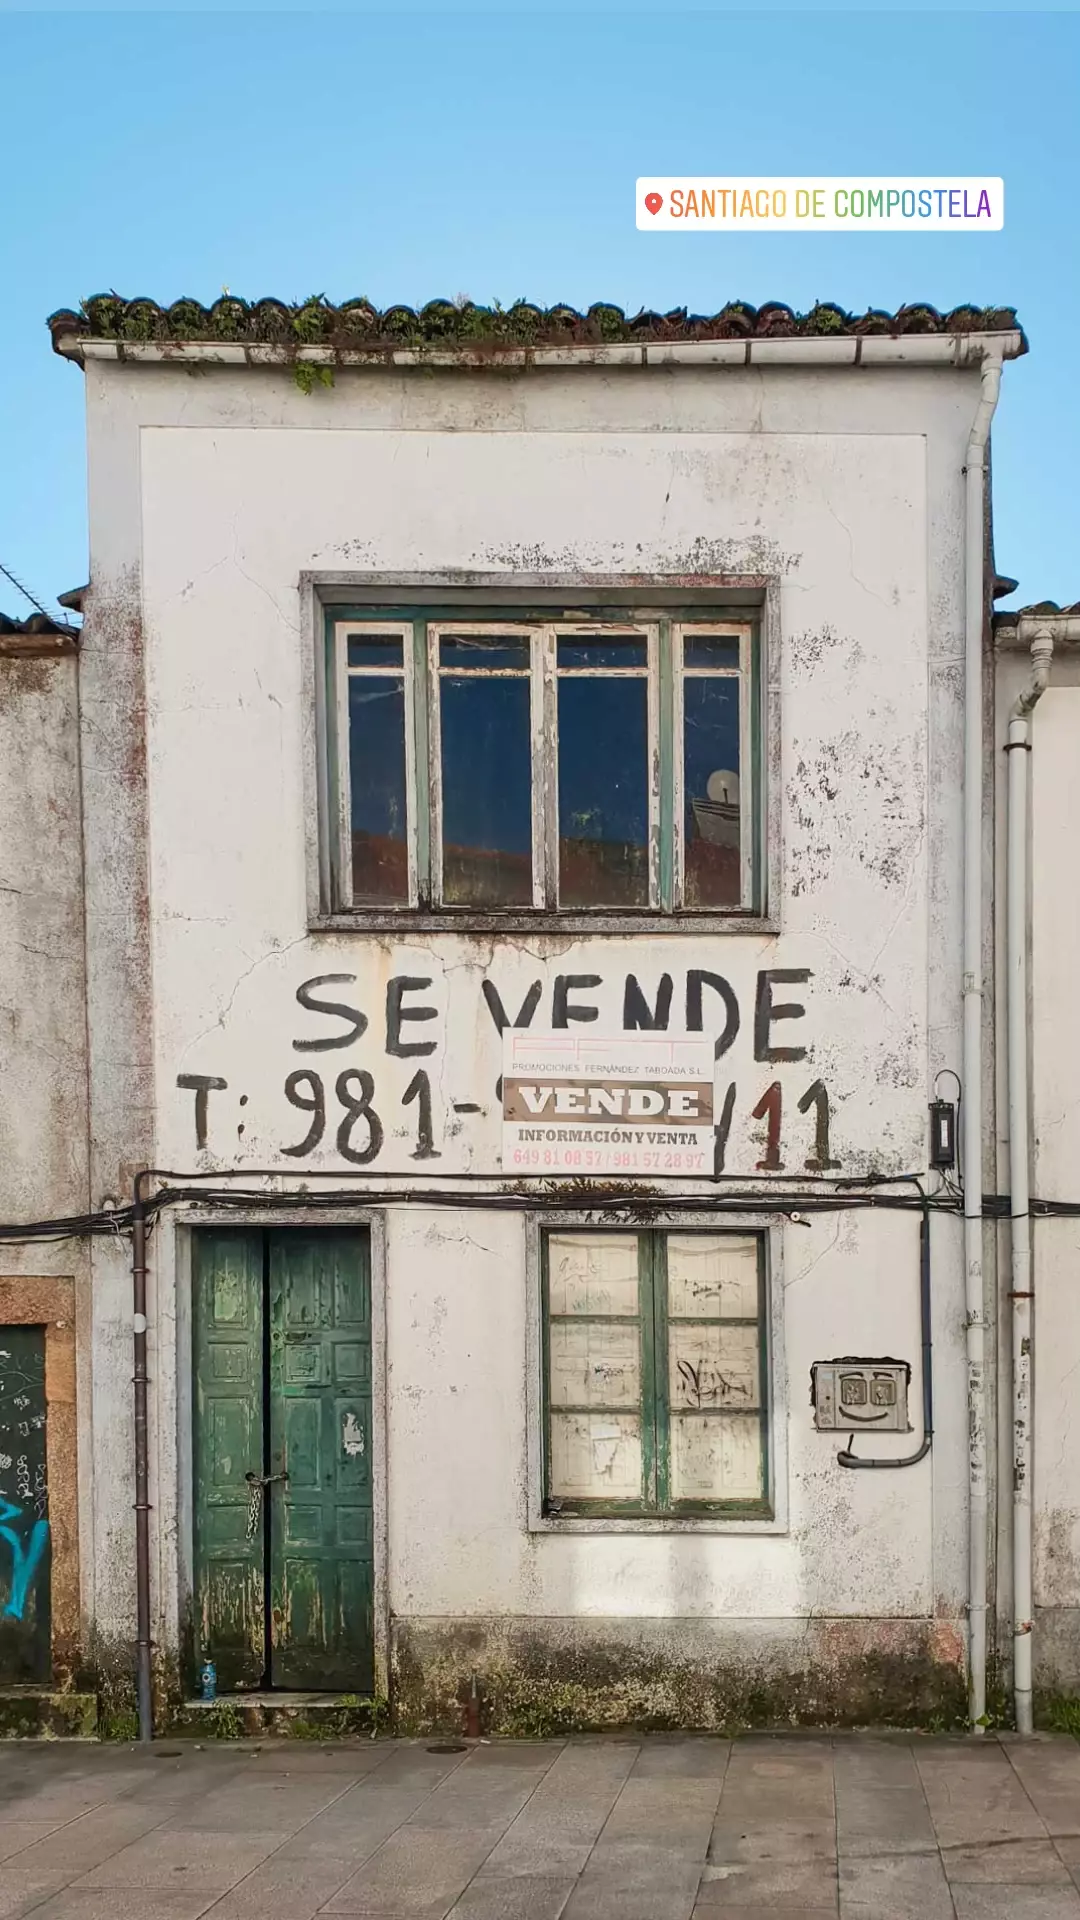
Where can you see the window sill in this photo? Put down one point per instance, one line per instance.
(657, 1523)
(525, 920)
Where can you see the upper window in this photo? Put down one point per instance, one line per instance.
(533, 765)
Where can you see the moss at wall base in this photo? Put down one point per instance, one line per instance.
(37, 1713)
(545, 1678)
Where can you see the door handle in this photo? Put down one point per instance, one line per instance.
(257, 1481)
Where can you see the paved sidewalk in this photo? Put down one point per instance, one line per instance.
(620, 1829)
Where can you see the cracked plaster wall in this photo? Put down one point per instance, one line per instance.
(845, 489)
(43, 1064)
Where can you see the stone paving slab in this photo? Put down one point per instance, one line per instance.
(850, 1828)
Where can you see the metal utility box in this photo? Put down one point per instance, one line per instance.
(848, 1394)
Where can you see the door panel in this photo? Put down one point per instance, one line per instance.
(228, 1443)
(322, 1614)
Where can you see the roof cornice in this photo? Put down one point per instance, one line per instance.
(445, 333)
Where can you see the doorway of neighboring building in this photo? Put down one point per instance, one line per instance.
(25, 1653)
(284, 1568)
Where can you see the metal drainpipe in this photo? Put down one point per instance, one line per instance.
(972, 1107)
(142, 1477)
(1021, 1294)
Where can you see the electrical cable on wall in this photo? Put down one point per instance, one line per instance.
(785, 1202)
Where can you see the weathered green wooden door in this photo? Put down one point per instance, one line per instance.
(320, 1434)
(230, 1606)
(284, 1585)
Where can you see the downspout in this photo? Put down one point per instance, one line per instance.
(972, 1106)
(1021, 1294)
(142, 1464)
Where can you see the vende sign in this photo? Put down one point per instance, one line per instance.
(628, 1104)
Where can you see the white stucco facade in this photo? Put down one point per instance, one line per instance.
(823, 503)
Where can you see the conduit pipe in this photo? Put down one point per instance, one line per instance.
(972, 1106)
(140, 1382)
(1021, 1293)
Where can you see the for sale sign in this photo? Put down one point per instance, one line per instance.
(631, 1104)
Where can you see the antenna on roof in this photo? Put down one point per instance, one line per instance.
(25, 591)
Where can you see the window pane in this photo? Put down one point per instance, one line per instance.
(480, 650)
(486, 792)
(592, 1273)
(603, 793)
(712, 1366)
(713, 868)
(601, 650)
(594, 1363)
(710, 650)
(378, 814)
(595, 1456)
(375, 650)
(715, 1457)
(712, 1276)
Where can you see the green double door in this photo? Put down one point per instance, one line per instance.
(284, 1566)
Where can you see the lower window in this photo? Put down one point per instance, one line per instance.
(654, 1363)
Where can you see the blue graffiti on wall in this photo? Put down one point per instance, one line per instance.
(25, 1556)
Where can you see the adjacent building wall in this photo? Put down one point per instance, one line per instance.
(1055, 1070)
(43, 1139)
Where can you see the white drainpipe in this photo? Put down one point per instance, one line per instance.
(972, 1107)
(1018, 749)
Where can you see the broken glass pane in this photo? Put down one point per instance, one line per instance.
(486, 790)
(593, 1363)
(712, 824)
(712, 1276)
(595, 1456)
(715, 1457)
(712, 1366)
(378, 816)
(603, 792)
(592, 1273)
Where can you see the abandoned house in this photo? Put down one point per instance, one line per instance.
(529, 986)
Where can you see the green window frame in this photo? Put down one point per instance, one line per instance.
(387, 676)
(655, 1373)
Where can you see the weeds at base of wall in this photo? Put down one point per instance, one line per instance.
(349, 1717)
(118, 1713)
(998, 1717)
(1058, 1713)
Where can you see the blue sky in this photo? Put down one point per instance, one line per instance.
(405, 155)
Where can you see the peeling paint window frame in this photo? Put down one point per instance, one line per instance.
(665, 631)
(743, 673)
(656, 1501)
(344, 673)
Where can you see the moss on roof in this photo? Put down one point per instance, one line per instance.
(357, 324)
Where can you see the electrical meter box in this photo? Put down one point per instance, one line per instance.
(848, 1394)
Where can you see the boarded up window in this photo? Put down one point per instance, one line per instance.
(594, 1367)
(654, 1360)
